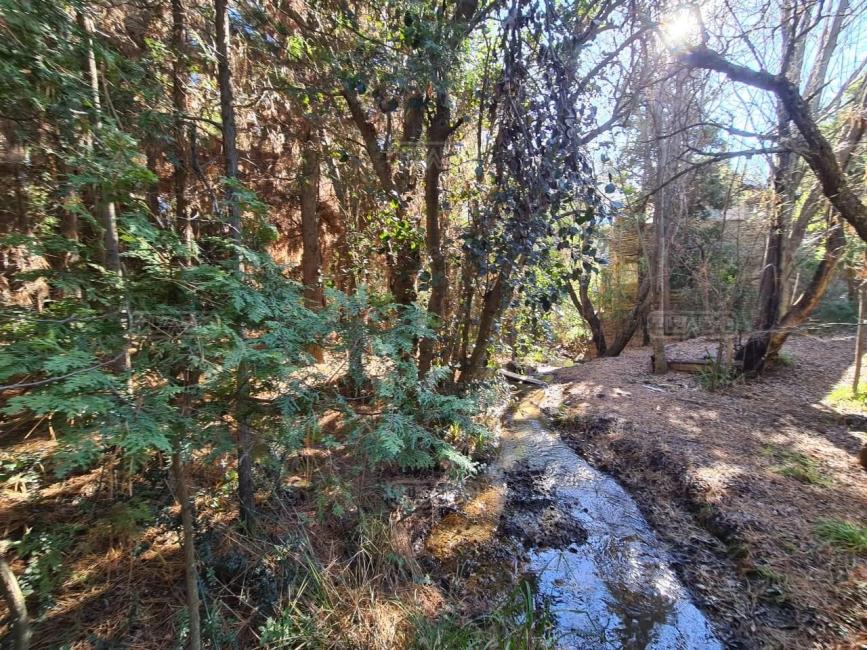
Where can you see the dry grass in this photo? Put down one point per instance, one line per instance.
(308, 578)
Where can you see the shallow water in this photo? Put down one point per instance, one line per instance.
(615, 589)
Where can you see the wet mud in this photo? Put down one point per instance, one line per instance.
(600, 571)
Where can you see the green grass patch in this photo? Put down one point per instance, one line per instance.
(844, 534)
(770, 575)
(517, 624)
(784, 360)
(843, 397)
(799, 466)
(716, 376)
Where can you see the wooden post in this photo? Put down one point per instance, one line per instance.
(859, 338)
(729, 354)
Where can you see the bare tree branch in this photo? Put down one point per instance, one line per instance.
(712, 158)
(818, 153)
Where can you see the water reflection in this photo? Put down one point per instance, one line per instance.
(616, 590)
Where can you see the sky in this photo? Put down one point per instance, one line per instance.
(747, 31)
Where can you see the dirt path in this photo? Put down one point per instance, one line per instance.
(737, 482)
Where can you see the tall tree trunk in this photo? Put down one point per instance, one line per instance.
(668, 208)
(585, 307)
(179, 103)
(189, 545)
(246, 488)
(438, 132)
(461, 343)
(496, 299)
(344, 272)
(763, 342)
(773, 288)
(190, 378)
(105, 207)
(311, 256)
(850, 136)
(633, 320)
(809, 300)
(660, 281)
(771, 284)
(227, 115)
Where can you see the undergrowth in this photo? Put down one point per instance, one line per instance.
(380, 598)
(716, 375)
(844, 534)
(843, 397)
(517, 624)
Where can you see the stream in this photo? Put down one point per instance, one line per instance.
(598, 566)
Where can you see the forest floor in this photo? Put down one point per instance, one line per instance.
(749, 485)
(738, 484)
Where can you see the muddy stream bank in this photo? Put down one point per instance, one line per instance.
(542, 511)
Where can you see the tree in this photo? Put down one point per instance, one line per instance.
(538, 166)
(246, 489)
(773, 322)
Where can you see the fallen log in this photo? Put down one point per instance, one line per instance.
(696, 365)
(514, 376)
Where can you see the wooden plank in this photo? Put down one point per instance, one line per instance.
(514, 376)
(694, 365)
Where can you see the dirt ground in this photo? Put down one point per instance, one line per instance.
(737, 481)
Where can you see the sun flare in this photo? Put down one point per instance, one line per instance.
(681, 28)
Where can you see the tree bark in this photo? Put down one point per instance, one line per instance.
(311, 255)
(583, 304)
(179, 103)
(105, 207)
(809, 300)
(785, 181)
(632, 322)
(438, 132)
(344, 271)
(246, 489)
(771, 283)
(11, 592)
(659, 272)
(818, 152)
(461, 344)
(496, 300)
(227, 115)
(189, 543)
(190, 378)
(852, 134)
